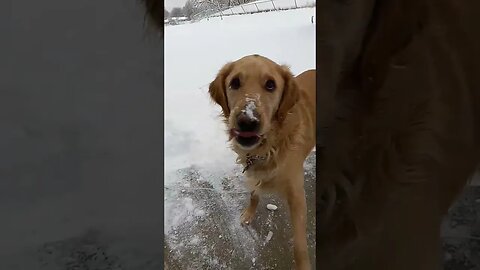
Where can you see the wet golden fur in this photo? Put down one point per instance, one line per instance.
(288, 133)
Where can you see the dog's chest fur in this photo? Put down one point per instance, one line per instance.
(261, 179)
(263, 172)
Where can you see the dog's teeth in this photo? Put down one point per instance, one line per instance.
(272, 207)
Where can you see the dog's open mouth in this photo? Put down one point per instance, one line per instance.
(245, 138)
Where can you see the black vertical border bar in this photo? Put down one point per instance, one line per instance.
(162, 136)
(318, 135)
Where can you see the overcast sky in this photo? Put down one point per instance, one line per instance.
(169, 4)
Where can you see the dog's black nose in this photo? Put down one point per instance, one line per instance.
(247, 124)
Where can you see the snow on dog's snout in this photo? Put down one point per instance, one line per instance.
(250, 108)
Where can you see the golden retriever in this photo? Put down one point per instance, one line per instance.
(399, 119)
(270, 115)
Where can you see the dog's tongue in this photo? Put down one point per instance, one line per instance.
(245, 134)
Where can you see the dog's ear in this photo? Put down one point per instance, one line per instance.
(393, 25)
(290, 94)
(217, 89)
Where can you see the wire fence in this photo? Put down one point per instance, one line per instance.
(254, 7)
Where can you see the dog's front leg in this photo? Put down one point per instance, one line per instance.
(298, 212)
(249, 212)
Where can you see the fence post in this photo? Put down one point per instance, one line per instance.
(243, 8)
(257, 7)
(274, 5)
(296, 6)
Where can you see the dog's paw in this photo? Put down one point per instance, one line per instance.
(247, 216)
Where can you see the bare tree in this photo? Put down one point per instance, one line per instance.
(189, 9)
(176, 12)
(213, 6)
(166, 14)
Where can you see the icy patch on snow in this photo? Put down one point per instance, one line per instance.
(204, 216)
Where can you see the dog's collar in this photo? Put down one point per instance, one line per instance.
(251, 160)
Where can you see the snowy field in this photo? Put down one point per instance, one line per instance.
(200, 171)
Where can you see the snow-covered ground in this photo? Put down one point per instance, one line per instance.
(196, 148)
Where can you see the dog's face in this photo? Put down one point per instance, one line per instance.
(254, 93)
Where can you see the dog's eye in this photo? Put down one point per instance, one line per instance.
(235, 83)
(270, 85)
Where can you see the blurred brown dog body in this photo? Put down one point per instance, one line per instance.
(270, 115)
(399, 122)
(400, 113)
